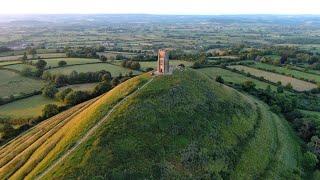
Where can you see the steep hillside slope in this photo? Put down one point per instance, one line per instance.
(178, 126)
(185, 126)
(44, 144)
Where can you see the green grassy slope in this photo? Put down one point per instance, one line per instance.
(38, 148)
(185, 126)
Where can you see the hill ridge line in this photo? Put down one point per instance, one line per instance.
(90, 132)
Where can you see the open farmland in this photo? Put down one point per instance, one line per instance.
(12, 83)
(6, 63)
(287, 71)
(70, 61)
(43, 56)
(20, 67)
(233, 77)
(297, 84)
(113, 69)
(81, 87)
(30, 107)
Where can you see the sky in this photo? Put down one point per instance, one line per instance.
(192, 7)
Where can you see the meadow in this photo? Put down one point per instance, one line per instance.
(287, 71)
(12, 83)
(42, 56)
(30, 107)
(113, 69)
(297, 84)
(70, 61)
(233, 77)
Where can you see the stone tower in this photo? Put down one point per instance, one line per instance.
(163, 62)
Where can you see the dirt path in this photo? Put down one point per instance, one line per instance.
(90, 132)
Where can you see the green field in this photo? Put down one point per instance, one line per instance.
(20, 67)
(233, 77)
(12, 83)
(288, 71)
(81, 87)
(70, 61)
(26, 108)
(297, 84)
(5, 63)
(44, 56)
(113, 69)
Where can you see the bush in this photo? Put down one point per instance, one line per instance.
(101, 88)
(50, 110)
(76, 97)
(49, 91)
(62, 94)
(310, 160)
(219, 79)
(62, 63)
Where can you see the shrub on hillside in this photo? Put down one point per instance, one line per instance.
(310, 160)
(50, 110)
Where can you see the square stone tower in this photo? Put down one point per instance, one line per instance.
(163, 62)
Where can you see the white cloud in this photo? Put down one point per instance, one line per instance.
(161, 6)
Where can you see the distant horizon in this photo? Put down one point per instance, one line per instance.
(163, 7)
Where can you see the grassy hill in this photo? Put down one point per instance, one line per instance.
(179, 126)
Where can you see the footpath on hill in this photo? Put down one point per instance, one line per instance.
(90, 132)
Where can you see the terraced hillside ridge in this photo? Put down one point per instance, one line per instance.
(179, 126)
(48, 141)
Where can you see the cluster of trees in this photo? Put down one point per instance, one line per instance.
(84, 52)
(40, 67)
(71, 97)
(4, 49)
(134, 65)
(77, 78)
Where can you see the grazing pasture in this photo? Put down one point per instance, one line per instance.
(288, 71)
(20, 67)
(297, 84)
(233, 77)
(5, 63)
(113, 69)
(26, 108)
(70, 61)
(42, 56)
(12, 83)
(81, 87)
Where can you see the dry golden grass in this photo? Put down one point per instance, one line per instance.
(32, 152)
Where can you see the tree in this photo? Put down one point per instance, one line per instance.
(101, 88)
(41, 64)
(219, 79)
(49, 91)
(310, 160)
(76, 97)
(50, 110)
(248, 85)
(288, 86)
(135, 66)
(103, 58)
(60, 80)
(62, 63)
(280, 89)
(24, 57)
(62, 94)
(115, 82)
